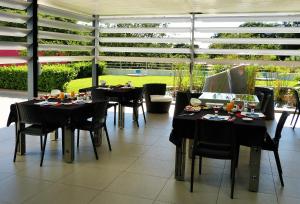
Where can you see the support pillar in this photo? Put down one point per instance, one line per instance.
(32, 51)
(192, 49)
(95, 51)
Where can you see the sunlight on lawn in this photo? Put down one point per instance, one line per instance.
(74, 85)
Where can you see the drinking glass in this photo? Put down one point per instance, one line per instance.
(46, 97)
(252, 107)
(216, 110)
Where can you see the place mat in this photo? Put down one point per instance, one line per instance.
(255, 115)
(46, 103)
(213, 117)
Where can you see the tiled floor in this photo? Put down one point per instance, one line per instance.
(140, 169)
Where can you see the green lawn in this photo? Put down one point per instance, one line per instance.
(74, 85)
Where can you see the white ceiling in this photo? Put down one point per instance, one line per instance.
(173, 7)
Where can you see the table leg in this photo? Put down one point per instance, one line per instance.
(22, 144)
(255, 154)
(68, 144)
(191, 143)
(180, 161)
(98, 137)
(121, 116)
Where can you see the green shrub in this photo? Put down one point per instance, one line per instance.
(55, 77)
(13, 77)
(52, 77)
(84, 69)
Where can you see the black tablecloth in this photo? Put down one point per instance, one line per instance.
(57, 114)
(248, 133)
(117, 93)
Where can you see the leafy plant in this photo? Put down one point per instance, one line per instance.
(251, 75)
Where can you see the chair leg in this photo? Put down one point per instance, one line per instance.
(43, 151)
(16, 147)
(94, 146)
(136, 117)
(78, 132)
(192, 173)
(107, 137)
(277, 159)
(294, 115)
(237, 157)
(296, 120)
(41, 142)
(63, 140)
(200, 165)
(144, 113)
(115, 113)
(233, 164)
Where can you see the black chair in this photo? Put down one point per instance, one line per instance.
(100, 94)
(98, 121)
(39, 125)
(297, 108)
(272, 144)
(214, 139)
(134, 99)
(264, 103)
(156, 89)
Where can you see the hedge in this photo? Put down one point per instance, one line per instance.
(52, 77)
(84, 69)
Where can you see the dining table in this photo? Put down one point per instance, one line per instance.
(249, 133)
(63, 113)
(119, 94)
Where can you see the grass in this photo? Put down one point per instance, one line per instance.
(77, 84)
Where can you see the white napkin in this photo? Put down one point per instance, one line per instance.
(212, 117)
(257, 114)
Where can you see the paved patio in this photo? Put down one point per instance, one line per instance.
(140, 169)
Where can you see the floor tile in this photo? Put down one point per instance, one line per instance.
(152, 167)
(114, 198)
(137, 185)
(61, 194)
(16, 189)
(97, 178)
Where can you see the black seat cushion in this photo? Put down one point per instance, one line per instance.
(38, 129)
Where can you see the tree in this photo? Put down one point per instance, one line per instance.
(258, 35)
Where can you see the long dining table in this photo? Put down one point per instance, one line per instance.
(61, 113)
(248, 133)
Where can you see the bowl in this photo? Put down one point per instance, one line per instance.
(195, 102)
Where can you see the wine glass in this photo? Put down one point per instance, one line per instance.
(252, 107)
(46, 97)
(216, 110)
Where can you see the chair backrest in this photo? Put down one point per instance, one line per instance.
(265, 102)
(215, 135)
(155, 89)
(182, 100)
(84, 90)
(44, 116)
(99, 94)
(296, 95)
(28, 114)
(99, 113)
(280, 125)
(135, 95)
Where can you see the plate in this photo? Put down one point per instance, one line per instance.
(247, 119)
(67, 104)
(192, 108)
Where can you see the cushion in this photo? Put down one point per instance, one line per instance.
(160, 98)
